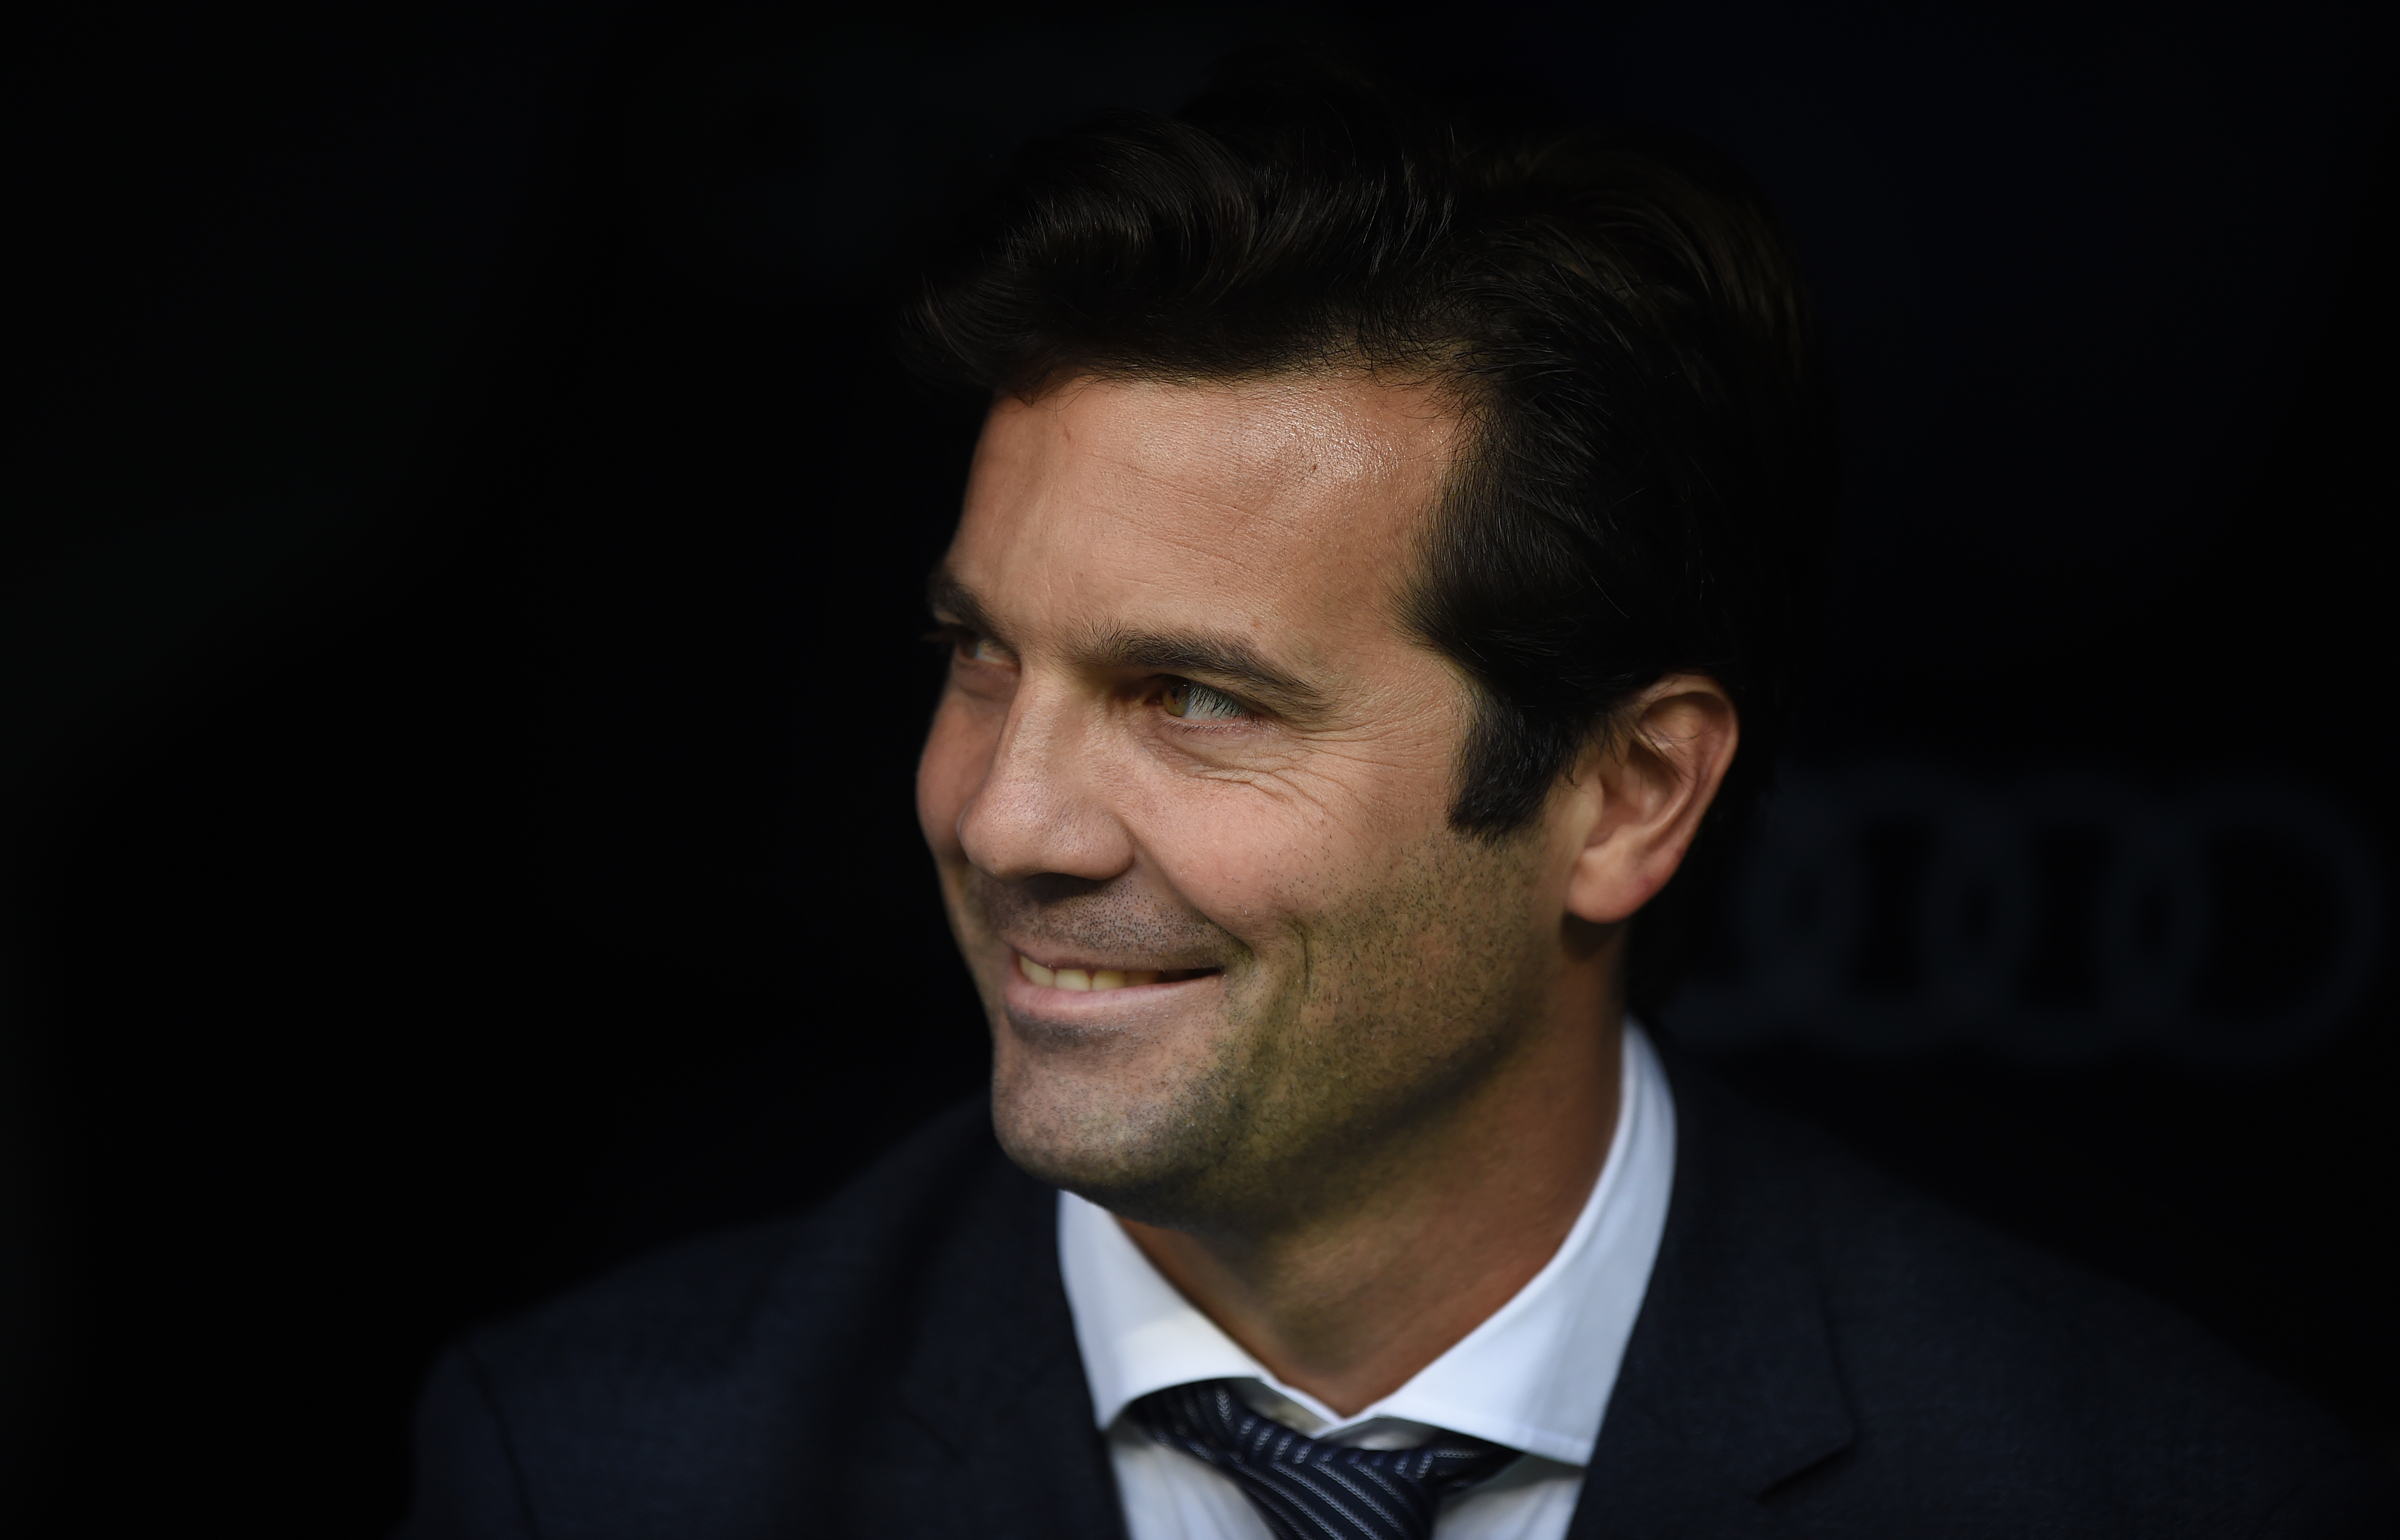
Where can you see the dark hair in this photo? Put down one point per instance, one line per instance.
(1614, 312)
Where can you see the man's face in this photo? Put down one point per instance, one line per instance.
(1186, 789)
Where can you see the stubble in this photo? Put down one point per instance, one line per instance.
(1344, 1038)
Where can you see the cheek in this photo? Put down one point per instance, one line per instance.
(1252, 864)
(958, 752)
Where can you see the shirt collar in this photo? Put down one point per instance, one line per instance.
(1535, 1375)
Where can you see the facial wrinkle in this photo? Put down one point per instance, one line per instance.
(1113, 920)
(1307, 1085)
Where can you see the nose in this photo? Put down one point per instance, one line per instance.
(1042, 808)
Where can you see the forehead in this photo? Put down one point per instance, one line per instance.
(1286, 508)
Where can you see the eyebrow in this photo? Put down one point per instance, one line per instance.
(1226, 659)
(951, 599)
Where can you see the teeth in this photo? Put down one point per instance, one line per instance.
(1084, 979)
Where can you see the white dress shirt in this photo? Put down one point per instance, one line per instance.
(1535, 1375)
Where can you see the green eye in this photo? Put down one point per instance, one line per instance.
(1199, 704)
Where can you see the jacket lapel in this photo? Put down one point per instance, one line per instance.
(996, 1378)
(1730, 1383)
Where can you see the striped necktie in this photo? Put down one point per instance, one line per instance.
(1308, 1490)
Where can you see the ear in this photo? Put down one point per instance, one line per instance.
(1638, 801)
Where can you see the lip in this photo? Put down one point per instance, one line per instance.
(1094, 961)
(1049, 1001)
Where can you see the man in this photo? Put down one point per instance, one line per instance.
(1376, 554)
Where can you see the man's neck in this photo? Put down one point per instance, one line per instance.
(1351, 1306)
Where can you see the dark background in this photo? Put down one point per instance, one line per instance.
(463, 685)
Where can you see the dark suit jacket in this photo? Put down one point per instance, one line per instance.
(1820, 1353)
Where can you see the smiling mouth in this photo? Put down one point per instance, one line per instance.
(1101, 978)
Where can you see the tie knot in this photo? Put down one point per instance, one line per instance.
(1308, 1488)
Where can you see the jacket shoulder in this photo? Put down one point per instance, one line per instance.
(752, 1382)
(1911, 1281)
(2022, 1389)
(704, 1301)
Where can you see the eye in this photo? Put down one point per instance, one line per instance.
(968, 647)
(1199, 704)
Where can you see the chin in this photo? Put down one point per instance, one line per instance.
(1127, 1153)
